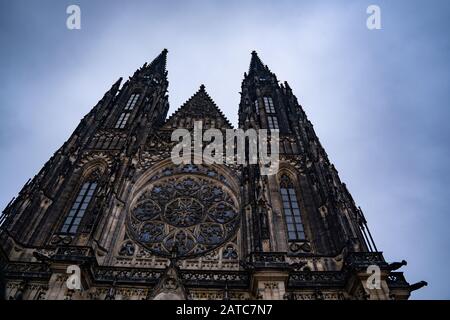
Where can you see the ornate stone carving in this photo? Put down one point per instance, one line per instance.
(196, 212)
(127, 249)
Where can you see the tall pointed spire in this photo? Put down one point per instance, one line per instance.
(256, 65)
(158, 65)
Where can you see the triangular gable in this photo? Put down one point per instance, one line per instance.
(199, 107)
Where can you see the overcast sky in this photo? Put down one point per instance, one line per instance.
(379, 99)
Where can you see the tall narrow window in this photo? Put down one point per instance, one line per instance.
(268, 103)
(257, 106)
(291, 210)
(132, 101)
(122, 121)
(272, 122)
(79, 207)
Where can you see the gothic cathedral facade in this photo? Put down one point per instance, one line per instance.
(111, 209)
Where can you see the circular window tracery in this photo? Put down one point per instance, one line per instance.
(183, 212)
(146, 210)
(195, 212)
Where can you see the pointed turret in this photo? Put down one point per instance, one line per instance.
(260, 98)
(116, 85)
(111, 93)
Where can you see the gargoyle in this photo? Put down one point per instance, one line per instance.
(418, 285)
(396, 265)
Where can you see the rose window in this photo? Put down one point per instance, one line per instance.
(183, 212)
(193, 213)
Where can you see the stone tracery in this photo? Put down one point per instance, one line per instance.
(196, 212)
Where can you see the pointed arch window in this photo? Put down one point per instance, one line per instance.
(291, 210)
(125, 115)
(79, 207)
(132, 101)
(272, 121)
(268, 104)
(122, 121)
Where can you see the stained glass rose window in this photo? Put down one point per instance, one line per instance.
(195, 212)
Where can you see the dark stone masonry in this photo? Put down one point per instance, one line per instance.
(111, 202)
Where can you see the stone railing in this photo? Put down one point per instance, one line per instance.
(27, 270)
(317, 278)
(215, 278)
(126, 275)
(361, 260)
(268, 259)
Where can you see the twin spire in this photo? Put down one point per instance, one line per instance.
(158, 65)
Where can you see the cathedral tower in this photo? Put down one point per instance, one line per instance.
(111, 207)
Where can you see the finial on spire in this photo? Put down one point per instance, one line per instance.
(117, 83)
(114, 88)
(286, 84)
(202, 87)
(256, 65)
(158, 65)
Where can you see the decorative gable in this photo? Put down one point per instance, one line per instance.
(200, 107)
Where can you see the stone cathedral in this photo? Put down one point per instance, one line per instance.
(111, 214)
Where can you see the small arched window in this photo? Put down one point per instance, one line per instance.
(80, 205)
(291, 210)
